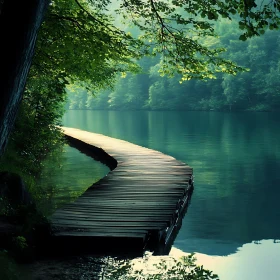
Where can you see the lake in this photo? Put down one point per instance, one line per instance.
(233, 220)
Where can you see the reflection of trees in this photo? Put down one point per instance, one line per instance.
(234, 200)
(235, 159)
(232, 158)
(67, 182)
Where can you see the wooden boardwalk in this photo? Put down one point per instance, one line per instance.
(137, 206)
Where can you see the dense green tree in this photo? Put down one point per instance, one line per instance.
(63, 55)
(98, 100)
(35, 134)
(272, 87)
(253, 90)
(77, 97)
(116, 97)
(85, 31)
(157, 96)
(134, 96)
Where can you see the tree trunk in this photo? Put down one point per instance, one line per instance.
(19, 24)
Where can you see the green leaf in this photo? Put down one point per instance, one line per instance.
(243, 37)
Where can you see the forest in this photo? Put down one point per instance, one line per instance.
(132, 58)
(127, 55)
(256, 89)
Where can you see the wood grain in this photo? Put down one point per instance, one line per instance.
(144, 194)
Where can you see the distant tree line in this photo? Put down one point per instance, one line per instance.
(255, 90)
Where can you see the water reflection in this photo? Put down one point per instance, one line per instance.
(236, 161)
(66, 178)
(252, 261)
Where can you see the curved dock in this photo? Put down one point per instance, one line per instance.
(139, 205)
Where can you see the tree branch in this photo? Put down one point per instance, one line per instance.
(73, 20)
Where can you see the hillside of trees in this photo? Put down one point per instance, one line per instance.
(256, 89)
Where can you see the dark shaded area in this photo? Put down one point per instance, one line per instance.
(156, 242)
(14, 190)
(22, 227)
(19, 24)
(71, 245)
(165, 246)
(13, 198)
(94, 152)
(66, 268)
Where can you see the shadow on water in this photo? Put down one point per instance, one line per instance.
(96, 153)
(164, 246)
(159, 242)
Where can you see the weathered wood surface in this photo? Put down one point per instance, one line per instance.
(141, 199)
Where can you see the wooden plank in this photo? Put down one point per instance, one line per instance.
(104, 234)
(140, 197)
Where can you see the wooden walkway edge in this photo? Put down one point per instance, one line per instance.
(138, 206)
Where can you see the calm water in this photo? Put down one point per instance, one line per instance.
(63, 182)
(233, 220)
